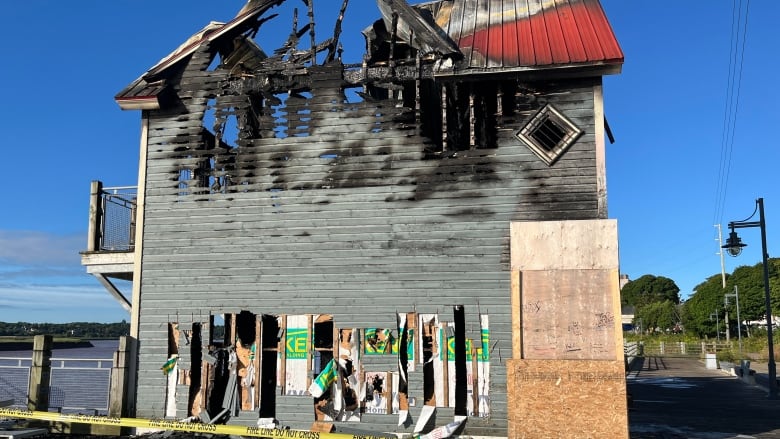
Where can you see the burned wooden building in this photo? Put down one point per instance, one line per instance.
(414, 240)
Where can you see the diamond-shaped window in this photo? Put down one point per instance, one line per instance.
(549, 134)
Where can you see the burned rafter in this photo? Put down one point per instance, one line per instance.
(422, 34)
(292, 40)
(336, 34)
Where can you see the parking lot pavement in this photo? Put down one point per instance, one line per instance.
(674, 398)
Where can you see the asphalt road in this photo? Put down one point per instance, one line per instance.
(675, 398)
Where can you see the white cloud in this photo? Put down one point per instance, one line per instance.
(42, 281)
(59, 304)
(20, 247)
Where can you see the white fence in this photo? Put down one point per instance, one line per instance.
(657, 348)
(77, 385)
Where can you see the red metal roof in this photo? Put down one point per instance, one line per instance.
(529, 33)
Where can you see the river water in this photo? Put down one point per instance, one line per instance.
(100, 350)
(78, 384)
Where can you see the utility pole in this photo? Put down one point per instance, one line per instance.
(723, 276)
(739, 320)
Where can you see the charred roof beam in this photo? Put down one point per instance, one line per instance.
(431, 37)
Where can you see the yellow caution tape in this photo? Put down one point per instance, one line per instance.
(171, 424)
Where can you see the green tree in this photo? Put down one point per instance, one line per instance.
(649, 289)
(750, 284)
(659, 316)
(707, 298)
(75, 329)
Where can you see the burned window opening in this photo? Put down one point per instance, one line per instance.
(173, 339)
(405, 342)
(184, 178)
(279, 113)
(225, 124)
(549, 134)
(461, 373)
(242, 372)
(245, 328)
(300, 114)
(471, 121)
(246, 336)
(349, 373)
(271, 334)
(171, 369)
(379, 341)
(429, 350)
(215, 63)
(217, 331)
(232, 370)
(194, 400)
(323, 339)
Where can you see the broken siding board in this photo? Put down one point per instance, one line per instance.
(387, 173)
(376, 140)
(405, 201)
(320, 167)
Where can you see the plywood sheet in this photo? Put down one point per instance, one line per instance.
(568, 314)
(567, 398)
(561, 245)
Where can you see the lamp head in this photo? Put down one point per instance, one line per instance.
(734, 244)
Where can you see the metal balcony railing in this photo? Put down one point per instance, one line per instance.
(112, 218)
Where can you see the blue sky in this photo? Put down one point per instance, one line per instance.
(671, 111)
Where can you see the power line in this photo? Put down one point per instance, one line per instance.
(731, 109)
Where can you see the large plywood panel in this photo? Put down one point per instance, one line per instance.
(567, 399)
(568, 314)
(564, 245)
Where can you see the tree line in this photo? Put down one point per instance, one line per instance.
(657, 305)
(76, 329)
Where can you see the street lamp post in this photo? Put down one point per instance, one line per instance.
(739, 322)
(734, 247)
(717, 325)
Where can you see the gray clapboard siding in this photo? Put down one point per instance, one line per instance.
(380, 228)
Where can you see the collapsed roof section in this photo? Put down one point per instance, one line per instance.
(508, 34)
(436, 39)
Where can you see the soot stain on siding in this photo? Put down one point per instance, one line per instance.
(281, 122)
